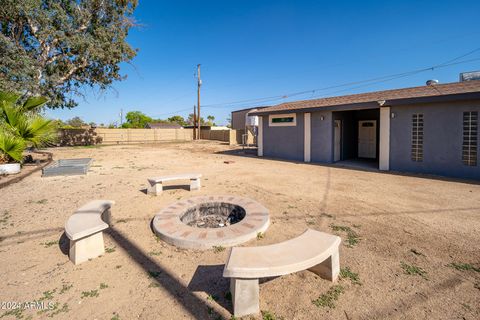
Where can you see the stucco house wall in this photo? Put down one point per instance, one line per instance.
(322, 137)
(442, 139)
(284, 142)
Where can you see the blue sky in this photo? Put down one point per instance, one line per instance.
(256, 49)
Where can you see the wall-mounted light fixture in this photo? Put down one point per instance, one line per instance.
(322, 118)
(393, 115)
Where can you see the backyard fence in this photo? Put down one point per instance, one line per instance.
(230, 136)
(82, 137)
(117, 136)
(220, 135)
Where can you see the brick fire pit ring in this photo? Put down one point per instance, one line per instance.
(188, 223)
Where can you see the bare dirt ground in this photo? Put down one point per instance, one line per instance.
(413, 241)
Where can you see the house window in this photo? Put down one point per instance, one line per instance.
(470, 138)
(417, 137)
(283, 120)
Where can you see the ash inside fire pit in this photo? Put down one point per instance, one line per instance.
(213, 215)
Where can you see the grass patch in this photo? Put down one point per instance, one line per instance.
(110, 250)
(90, 294)
(42, 201)
(413, 270)
(47, 295)
(466, 306)
(328, 299)
(218, 249)
(6, 215)
(65, 288)
(103, 286)
(463, 267)
(49, 243)
(115, 317)
(260, 235)
(155, 253)
(212, 297)
(17, 313)
(267, 315)
(346, 273)
(352, 237)
(154, 274)
(153, 285)
(56, 310)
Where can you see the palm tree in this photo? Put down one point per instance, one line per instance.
(21, 126)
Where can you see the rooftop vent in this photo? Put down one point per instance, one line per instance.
(467, 76)
(432, 82)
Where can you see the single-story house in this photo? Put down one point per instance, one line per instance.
(162, 125)
(431, 129)
(239, 117)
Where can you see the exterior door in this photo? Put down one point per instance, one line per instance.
(367, 139)
(337, 137)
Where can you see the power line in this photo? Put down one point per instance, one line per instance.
(371, 81)
(350, 85)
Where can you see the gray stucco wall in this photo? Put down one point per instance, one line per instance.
(322, 137)
(442, 144)
(284, 142)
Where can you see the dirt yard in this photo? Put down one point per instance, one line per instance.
(410, 244)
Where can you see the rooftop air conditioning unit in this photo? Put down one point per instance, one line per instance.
(467, 76)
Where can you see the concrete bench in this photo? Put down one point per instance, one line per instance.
(155, 185)
(84, 229)
(313, 250)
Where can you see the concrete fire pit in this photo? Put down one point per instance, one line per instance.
(207, 221)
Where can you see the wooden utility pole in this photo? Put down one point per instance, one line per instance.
(194, 122)
(199, 84)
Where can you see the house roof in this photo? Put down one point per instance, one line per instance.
(391, 97)
(163, 125)
(251, 108)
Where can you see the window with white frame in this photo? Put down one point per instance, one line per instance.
(470, 138)
(282, 120)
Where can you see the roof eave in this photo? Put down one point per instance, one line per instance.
(375, 104)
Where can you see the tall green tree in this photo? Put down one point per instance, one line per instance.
(55, 48)
(136, 119)
(210, 120)
(177, 119)
(76, 122)
(190, 120)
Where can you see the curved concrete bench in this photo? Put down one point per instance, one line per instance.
(313, 250)
(155, 185)
(84, 229)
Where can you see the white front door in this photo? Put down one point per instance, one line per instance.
(367, 139)
(337, 140)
